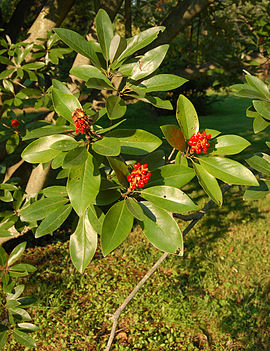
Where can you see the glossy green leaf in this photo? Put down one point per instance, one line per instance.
(105, 130)
(53, 221)
(76, 42)
(209, 184)
(187, 117)
(28, 326)
(117, 46)
(3, 338)
(263, 108)
(171, 175)
(3, 256)
(228, 145)
(228, 170)
(33, 65)
(16, 253)
(169, 198)
(104, 30)
(58, 160)
(64, 104)
(66, 144)
(107, 147)
(259, 85)
(23, 338)
(96, 83)
(75, 157)
(161, 229)
(149, 62)
(136, 141)
(246, 91)
(181, 159)
(174, 136)
(116, 107)
(83, 243)
(260, 162)
(57, 84)
(157, 102)
(116, 226)
(42, 208)
(134, 208)
(139, 41)
(257, 192)
(259, 124)
(162, 82)
(23, 267)
(55, 191)
(106, 197)
(120, 169)
(214, 133)
(47, 130)
(83, 184)
(86, 72)
(96, 217)
(40, 150)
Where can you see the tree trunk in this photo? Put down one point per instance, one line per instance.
(128, 19)
(51, 16)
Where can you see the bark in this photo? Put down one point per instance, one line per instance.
(37, 180)
(128, 19)
(179, 17)
(51, 16)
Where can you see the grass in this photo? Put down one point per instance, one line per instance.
(215, 298)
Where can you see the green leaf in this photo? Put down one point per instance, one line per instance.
(260, 162)
(40, 150)
(246, 91)
(116, 226)
(75, 157)
(169, 198)
(107, 147)
(3, 338)
(154, 159)
(174, 136)
(181, 159)
(47, 130)
(42, 208)
(161, 229)
(105, 130)
(16, 253)
(139, 41)
(259, 124)
(106, 197)
(134, 208)
(23, 338)
(259, 85)
(96, 83)
(76, 42)
(12, 143)
(149, 62)
(117, 46)
(187, 117)
(162, 82)
(66, 144)
(228, 145)
(3, 256)
(53, 221)
(116, 107)
(33, 66)
(83, 243)
(228, 171)
(171, 175)
(136, 141)
(120, 169)
(64, 104)
(83, 184)
(58, 160)
(96, 217)
(28, 326)
(57, 84)
(214, 133)
(104, 30)
(257, 192)
(263, 108)
(157, 102)
(55, 191)
(23, 267)
(86, 72)
(6, 73)
(208, 183)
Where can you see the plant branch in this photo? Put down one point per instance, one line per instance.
(117, 313)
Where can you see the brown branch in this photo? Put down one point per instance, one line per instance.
(117, 313)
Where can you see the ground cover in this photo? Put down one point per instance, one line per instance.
(217, 297)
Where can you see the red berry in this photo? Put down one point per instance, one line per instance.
(192, 150)
(199, 150)
(145, 165)
(204, 150)
(208, 136)
(140, 184)
(15, 123)
(129, 178)
(133, 186)
(190, 142)
(207, 144)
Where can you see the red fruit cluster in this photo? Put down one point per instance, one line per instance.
(81, 121)
(139, 176)
(15, 123)
(199, 142)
